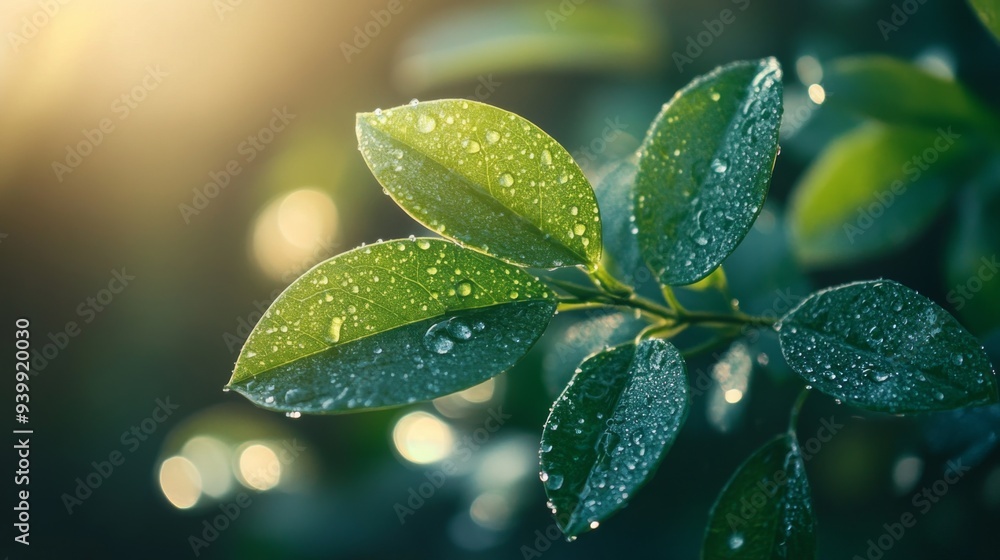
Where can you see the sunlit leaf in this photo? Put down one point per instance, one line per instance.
(389, 324)
(484, 177)
(765, 510)
(989, 13)
(881, 346)
(609, 430)
(705, 167)
(898, 92)
(871, 191)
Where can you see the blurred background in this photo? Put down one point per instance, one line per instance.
(166, 168)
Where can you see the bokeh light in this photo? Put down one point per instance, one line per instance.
(422, 438)
(293, 231)
(180, 482)
(259, 467)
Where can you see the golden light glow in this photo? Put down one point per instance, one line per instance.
(817, 94)
(259, 467)
(733, 396)
(459, 404)
(211, 457)
(180, 482)
(491, 510)
(422, 438)
(808, 69)
(293, 232)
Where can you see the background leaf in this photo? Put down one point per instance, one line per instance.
(609, 430)
(845, 207)
(614, 190)
(704, 169)
(881, 346)
(389, 324)
(484, 177)
(898, 92)
(989, 13)
(765, 510)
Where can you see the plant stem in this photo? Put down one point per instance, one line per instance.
(609, 284)
(793, 416)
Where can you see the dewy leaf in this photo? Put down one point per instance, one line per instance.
(609, 429)
(486, 178)
(765, 511)
(389, 324)
(871, 191)
(704, 169)
(881, 346)
(989, 13)
(898, 92)
(614, 190)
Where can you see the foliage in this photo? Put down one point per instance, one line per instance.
(409, 320)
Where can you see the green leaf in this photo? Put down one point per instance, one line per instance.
(704, 169)
(614, 190)
(390, 324)
(881, 346)
(487, 178)
(609, 429)
(989, 13)
(465, 45)
(871, 191)
(898, 92)
(765, 511)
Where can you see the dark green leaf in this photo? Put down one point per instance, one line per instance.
(898, 92)
(871, 191)
(390, 324)
(704, 169)
(765, 511)
(989, 13)
(484, 177)
(614, 190)
(609, 430)
(881, 346)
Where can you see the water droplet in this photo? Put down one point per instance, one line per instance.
(470, 146)
(957, 359)
(735, 541)
(563, 179)
(293, 396)
(554, 482)
(595, 524)
(719, 166)
(458, 329)
(463, 288)
(426, 123)
(938, 395)
(574, 210)
(432, 270)
(424, 244)
(378, 112)
(513, 295)
(701, 240)
(506, 180)
(492, 136)
(413, 102)
(294, 414)
(437, 340)
(546, 157)
(335, 325)
(579, 229)
(715, 96)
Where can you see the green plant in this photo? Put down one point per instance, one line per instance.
(408, 320)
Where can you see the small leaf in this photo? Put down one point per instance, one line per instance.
(989, 13)
(609, 429)
(765, 511)
(704, 169)
(881, 346)
(487, 178)
(898, 92)
(390, 324)
(614, 190)
(871, 191)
